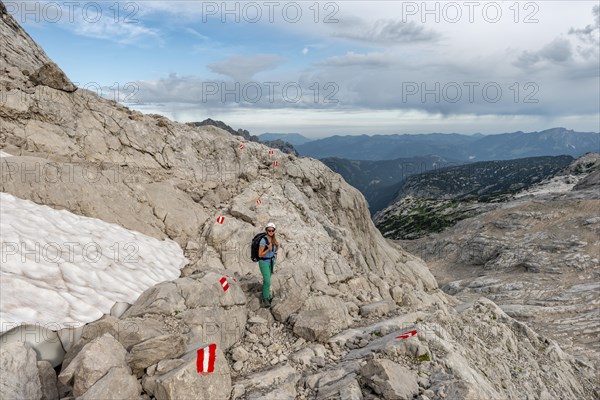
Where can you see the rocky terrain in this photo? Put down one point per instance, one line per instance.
(275, 143)
(536, 256)
(354, 316)
(434, 200)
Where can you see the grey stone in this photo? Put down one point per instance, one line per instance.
(19, 378)
(185, 382)
(164, 298)
(45, 342)
(377, 309)
(118, 383)
(50, 75)
(390, 380)
(93, 361)
(318, 325)
(283, 375)
(303, 356)
(48, 381)
(151, 351)
(239, 354)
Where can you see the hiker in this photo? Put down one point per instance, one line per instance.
(267, 252)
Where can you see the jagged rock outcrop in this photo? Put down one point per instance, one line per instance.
(282, 145)
(96, 158)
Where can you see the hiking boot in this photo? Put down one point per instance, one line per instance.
(265, 303)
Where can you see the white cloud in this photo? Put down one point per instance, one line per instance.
(243, 68)
(387, 32)
(351, 59)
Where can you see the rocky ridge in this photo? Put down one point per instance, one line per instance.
(344, 297)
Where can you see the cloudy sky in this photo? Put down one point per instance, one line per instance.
(343, 67)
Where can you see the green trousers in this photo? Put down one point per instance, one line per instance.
(266, 269)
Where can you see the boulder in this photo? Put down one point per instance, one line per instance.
(377, 309)
(318, 325)
(128, 332)
(151, 351)
(390, 380)
(222, 325)
(50, 75)
(239, 354)
(184, 381)
(48, 381)
(92, 363)
(118, 383)
(164, 298)
(45, 342)
(19, 377)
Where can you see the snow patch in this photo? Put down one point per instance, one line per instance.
(59, 268)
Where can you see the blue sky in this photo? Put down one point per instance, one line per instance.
(357, 67)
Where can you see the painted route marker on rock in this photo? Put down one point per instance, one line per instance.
(205, 362)
(275, 163)
(241, 146)
(406, 335)
(224, 284)
(271, 152)
(258, 202)
(220, 219)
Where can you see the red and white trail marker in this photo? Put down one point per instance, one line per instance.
(258, 202)
(406, 335)
(220, 219)
(271, 152)
(275, 163)
(241, 146)
(224, 284)
(205, 362)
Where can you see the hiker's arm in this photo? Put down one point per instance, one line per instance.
(262, 250)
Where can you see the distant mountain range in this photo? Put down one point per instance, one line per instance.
(434, 200)
(292, 138)
(379, 181)
(505, 146)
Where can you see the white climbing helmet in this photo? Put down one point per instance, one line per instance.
(270, 225)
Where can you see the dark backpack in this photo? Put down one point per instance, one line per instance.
(255, 245)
